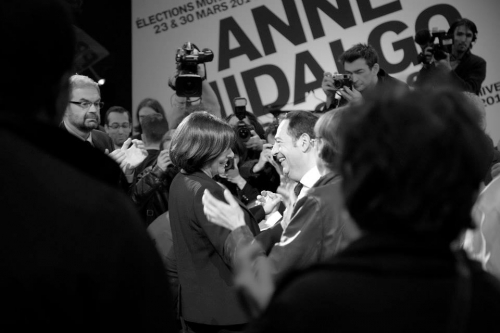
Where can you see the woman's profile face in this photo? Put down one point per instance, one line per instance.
(217, 166)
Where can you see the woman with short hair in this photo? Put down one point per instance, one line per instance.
(201, 147)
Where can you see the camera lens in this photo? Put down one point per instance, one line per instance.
(229, 164)
(244, 134)
(337, 84)
(243, 131)
(188, 85)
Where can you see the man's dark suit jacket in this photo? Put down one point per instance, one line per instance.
(314, 233)
(207, 294)
(73, 251)
(467, 76)
(100, 140)
(386, 282)
(103, 170)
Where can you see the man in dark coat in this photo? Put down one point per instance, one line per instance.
(361, 63)
(74, 254)
(460, 68)
(412, 164)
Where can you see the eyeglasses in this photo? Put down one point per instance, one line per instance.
(87, 105)
(116, 126)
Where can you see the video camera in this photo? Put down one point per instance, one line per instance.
(188, 82)
(342, 80)
(443, 45)
(242, 129)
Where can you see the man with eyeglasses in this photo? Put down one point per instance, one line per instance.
(82, 117)
(118, 125)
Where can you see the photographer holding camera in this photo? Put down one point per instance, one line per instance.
(455, 66)
(192, 90)
(250, 136)
(363, 73)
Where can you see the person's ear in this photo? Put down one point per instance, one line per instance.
(305, 142)
(375, 68)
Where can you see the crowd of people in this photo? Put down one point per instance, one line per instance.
(377, 214)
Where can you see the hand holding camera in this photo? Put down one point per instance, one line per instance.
(163, 160)
(335, 82)
(339, 83)
(327, 85)
(266, 156)
(254, 142)
(351, 94)
(436, 45)
(190, 70)
(444, 64)
(233, 173)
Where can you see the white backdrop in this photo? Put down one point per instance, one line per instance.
(275, 51)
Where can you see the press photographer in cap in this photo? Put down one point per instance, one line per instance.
(447, 58)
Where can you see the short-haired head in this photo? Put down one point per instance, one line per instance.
(154, 127)
(81, 81)
(477, 108)
(466, 23)
(327, 129)
(301, 122)
(198, 140)
(37, 37)
(412, 162)
(150, 103)
(360, 51)
(117, 109)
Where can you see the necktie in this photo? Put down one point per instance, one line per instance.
(297, 189)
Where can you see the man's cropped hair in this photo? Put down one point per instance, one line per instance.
(412, 163)
(117, 109)
(360, 51)
(81, 81)
(301, 122)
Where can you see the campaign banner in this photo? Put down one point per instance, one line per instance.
(274, 52)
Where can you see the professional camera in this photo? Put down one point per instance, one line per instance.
(440, 48)
(342, 80)
(229, 164)
(242, 129)
(188, 82)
